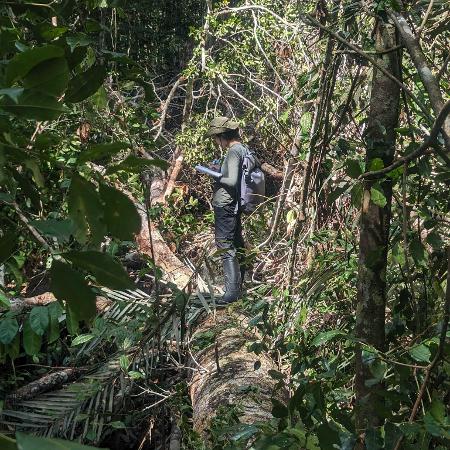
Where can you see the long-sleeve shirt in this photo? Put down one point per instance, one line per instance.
(226, 189)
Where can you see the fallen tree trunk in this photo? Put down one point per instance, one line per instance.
(20, 304)
(226, 373)
(46, 383)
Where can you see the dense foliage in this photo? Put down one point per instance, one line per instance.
(349, 287)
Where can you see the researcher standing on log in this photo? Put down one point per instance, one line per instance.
(227, 213)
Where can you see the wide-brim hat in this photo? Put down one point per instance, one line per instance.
(220, 125)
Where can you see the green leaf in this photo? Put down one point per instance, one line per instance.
(62, 230)
(353, 168)
(39, 319)
(418, 252)
(12, 93)
(124, 362)
(32, 341)
(376, 164)
(50, 77)
(437, 410)
(28, 442)
(86, 211)
(435, 241)
(8, 330)
(54, 311)
(398, 253)
(81, 339)
(107, 270)
(13, 349)
(134, 164)
(23, 62)
(117, 207)
(420, 353)
(434, 428)
(328, 437)
(85, 84)
(4, 301)
(374, 440)
(306, 123)
(279, 410)
(135, 375)
(78, 40)
(118, 425)
(35, 105)
(99, 151)
(49, 32)
(69, 285)
(7, 443)
(326, 336)
(377, 196)
(8, 243)
(276, 375)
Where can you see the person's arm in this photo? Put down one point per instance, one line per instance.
(233, 165)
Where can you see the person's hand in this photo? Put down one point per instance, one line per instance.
(215, 165)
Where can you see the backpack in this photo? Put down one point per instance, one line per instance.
(253, 183)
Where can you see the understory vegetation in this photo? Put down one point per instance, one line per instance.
(107, 257)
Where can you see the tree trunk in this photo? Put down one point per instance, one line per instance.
(375, 220)
(225, 372)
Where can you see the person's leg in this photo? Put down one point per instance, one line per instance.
(239, 245)
(225, 228)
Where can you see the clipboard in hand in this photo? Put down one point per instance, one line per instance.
(209, 172)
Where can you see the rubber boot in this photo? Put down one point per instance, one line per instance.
(232, 276)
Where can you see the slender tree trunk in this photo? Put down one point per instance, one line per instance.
(375, 220)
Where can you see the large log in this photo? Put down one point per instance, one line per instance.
(228, 374)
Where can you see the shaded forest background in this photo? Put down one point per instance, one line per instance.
(108, 267)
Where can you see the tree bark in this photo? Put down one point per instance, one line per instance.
(375, 221)
(225, 372)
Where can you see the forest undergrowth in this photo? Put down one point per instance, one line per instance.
(107, 259)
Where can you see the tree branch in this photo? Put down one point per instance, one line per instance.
(430, 141)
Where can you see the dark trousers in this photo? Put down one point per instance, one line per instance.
(228, 232)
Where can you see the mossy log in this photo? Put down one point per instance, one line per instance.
(225, 372)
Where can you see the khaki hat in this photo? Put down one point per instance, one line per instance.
(220, 125)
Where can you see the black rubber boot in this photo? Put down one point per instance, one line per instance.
(232, 276)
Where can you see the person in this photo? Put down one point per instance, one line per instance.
(227, 215)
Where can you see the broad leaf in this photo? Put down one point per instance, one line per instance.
(6, 443)
(4, 301)
(134, 164)
(107, 271)
(23, 62)
(12, 93)
(326, 336)
(81, 339)
(69, 285)
(420, 353)
(377, 196)
(279, 410)
(35, 105)
(418, 252)
(99, 151)
(50, 77)
(121, 217)
(8, 243)
(8, 330)
(39, 319)
(62, 230)
(28, 442)
(54, 312)
(85, 84)
(353, 168)
(31, 340)
(78, 40)
(86, 211)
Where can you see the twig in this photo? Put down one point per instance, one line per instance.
(430, 141)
